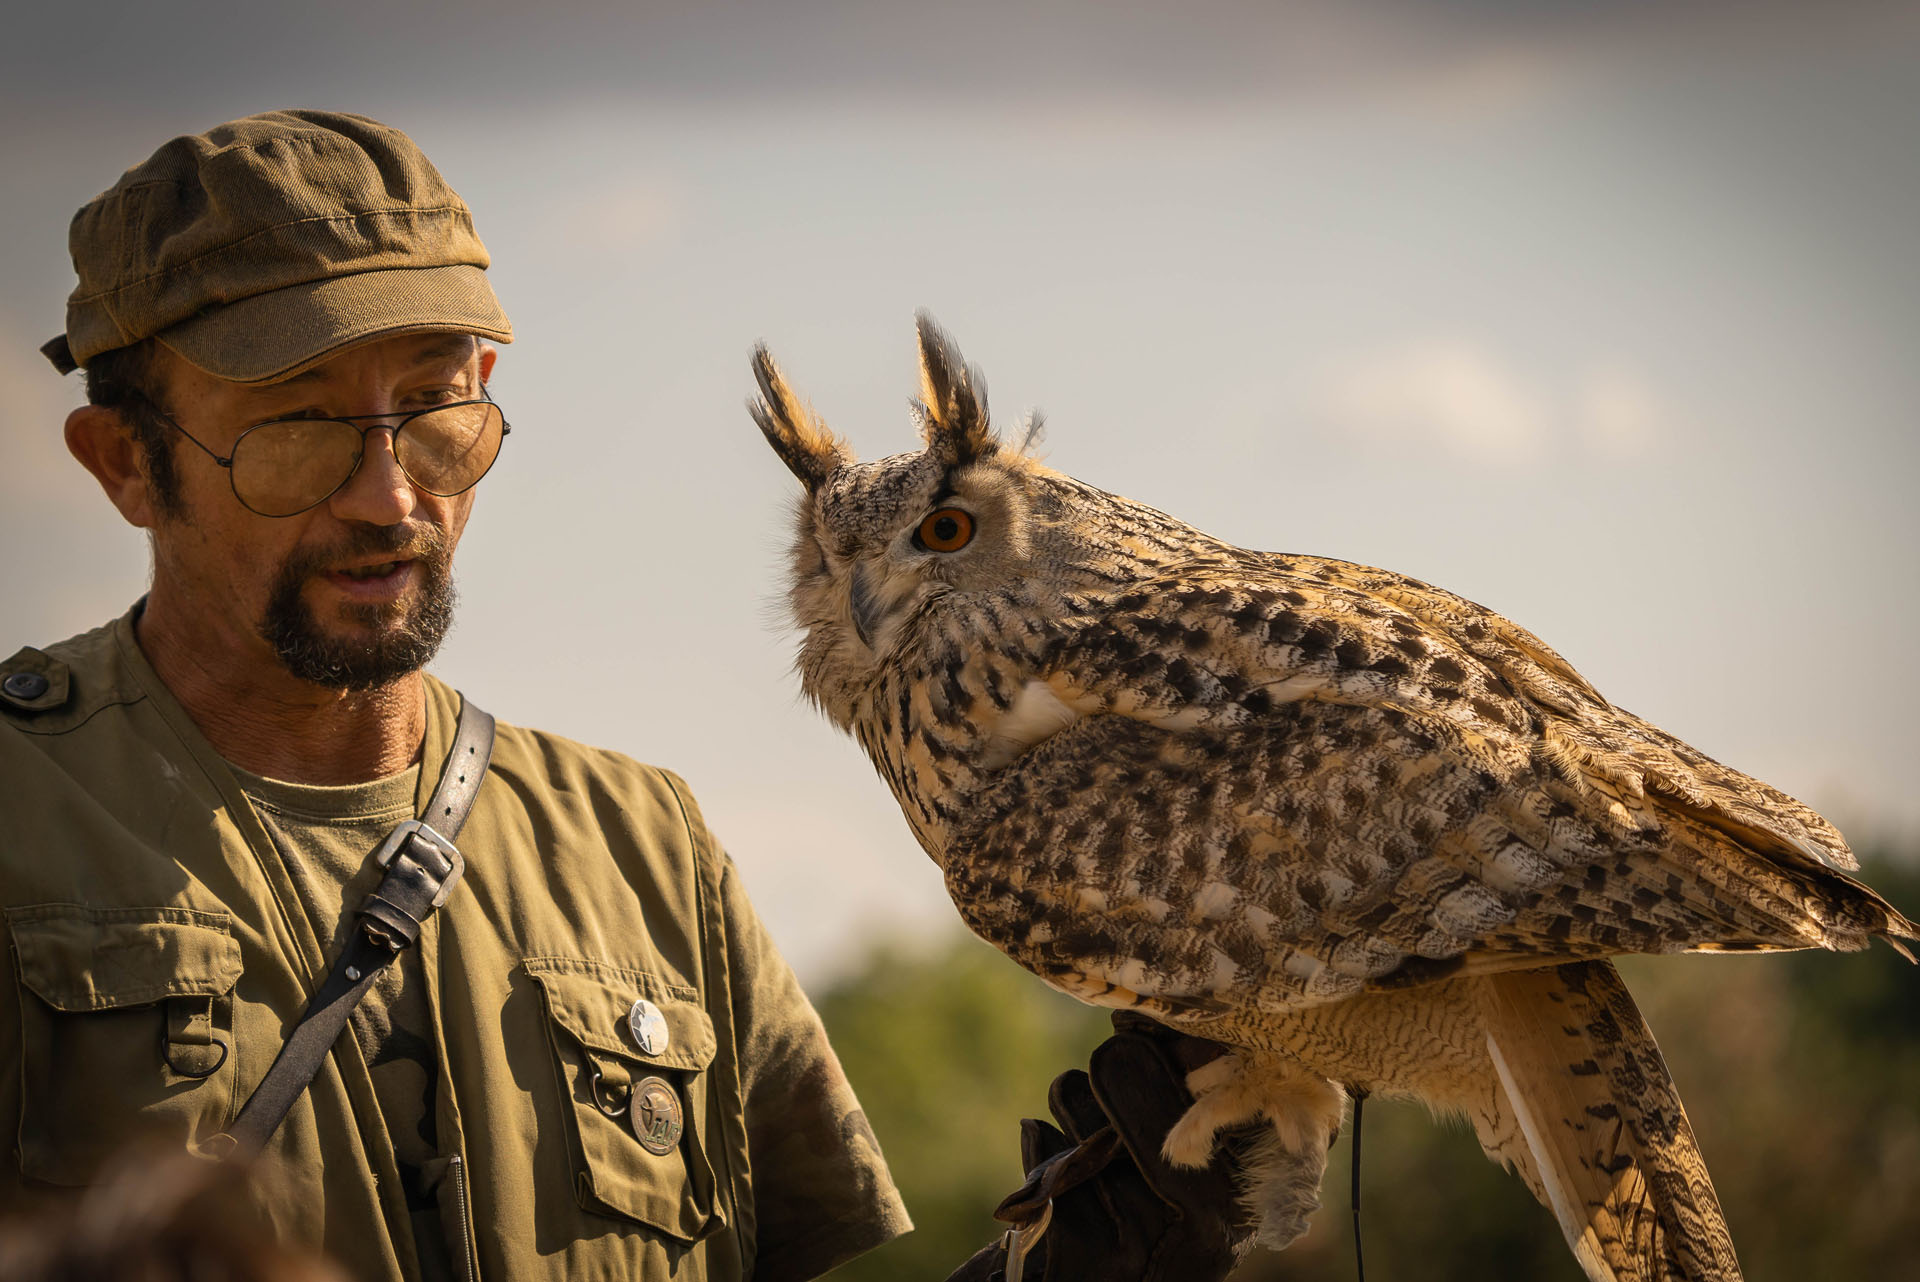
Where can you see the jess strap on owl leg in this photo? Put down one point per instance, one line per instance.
(1119, 1211)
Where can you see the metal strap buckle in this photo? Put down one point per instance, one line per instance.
(397, 840)
(1017, 1242)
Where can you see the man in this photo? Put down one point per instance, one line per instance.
(585, 1057)
(287, 332)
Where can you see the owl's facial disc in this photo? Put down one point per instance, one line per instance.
(877, 589)
(854, 564)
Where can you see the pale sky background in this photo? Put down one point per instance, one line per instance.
(1606, 322)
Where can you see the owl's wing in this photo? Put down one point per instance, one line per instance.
(1580, 1103)
(1281, 791)
(1310, 627)
(1611, 745)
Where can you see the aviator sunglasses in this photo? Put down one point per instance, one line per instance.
(284, 466)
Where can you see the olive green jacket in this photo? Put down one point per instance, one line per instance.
(151, 924)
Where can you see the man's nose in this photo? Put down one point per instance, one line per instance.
(378, 492)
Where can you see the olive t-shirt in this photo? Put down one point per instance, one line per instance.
(328, 836)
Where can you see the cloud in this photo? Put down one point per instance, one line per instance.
(1466, 399)
(1616, 413)
(1451, 392)
(754, 51)
(622, 216)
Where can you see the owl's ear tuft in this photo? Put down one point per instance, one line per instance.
(953, 400)
(803, 442)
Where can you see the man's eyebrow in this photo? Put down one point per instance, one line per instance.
(445, 348)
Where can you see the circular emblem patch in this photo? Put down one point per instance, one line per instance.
(649, 1027)
(656, 1116)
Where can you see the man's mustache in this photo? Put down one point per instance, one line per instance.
(411, 542)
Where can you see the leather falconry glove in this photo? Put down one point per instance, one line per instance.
(1119, 1212)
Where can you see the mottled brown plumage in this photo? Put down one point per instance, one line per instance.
(1365, 831)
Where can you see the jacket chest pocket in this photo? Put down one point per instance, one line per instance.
(126, 1031)
(631, 1054)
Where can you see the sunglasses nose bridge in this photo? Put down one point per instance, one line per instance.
(360, 452)
(393, 445)
(393, 448)
(381, 497)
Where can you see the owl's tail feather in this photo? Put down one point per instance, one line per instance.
(1771, 897)
(1582, 1107)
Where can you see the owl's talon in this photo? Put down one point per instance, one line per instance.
(1298, 1109)
(1247, 1086)
(1189, 1142)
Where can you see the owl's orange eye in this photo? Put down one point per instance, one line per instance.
(946, 529)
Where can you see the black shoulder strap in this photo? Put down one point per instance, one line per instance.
(422, 866)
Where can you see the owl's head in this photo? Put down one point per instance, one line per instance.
(895, 557)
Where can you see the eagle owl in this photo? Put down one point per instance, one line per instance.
(1370, 835)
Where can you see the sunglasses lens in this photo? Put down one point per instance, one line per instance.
(447, 451)
(287, 466)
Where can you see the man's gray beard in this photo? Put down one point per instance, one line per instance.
(405, 636)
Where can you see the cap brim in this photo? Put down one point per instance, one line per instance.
(276, 335)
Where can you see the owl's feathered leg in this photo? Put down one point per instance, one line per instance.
(1299, 1112)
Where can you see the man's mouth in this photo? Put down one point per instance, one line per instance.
(378, 577)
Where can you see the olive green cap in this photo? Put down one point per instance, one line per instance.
(266, 244)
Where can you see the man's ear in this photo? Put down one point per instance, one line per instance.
(488, 354)
(104, 444)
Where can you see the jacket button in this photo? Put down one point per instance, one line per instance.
(24, 685)
(649, 1027)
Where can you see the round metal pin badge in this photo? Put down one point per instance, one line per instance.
(649, 1027)
(657, 1119)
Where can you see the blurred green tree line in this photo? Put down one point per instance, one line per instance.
(1800, 1072)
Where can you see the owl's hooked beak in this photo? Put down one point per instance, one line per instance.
(863, 605)
(804, 443)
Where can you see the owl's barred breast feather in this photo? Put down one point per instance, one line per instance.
(1361, 829)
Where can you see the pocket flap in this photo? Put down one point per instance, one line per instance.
(80, 959)
(593, 1003)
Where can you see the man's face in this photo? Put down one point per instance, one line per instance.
(350, 594)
